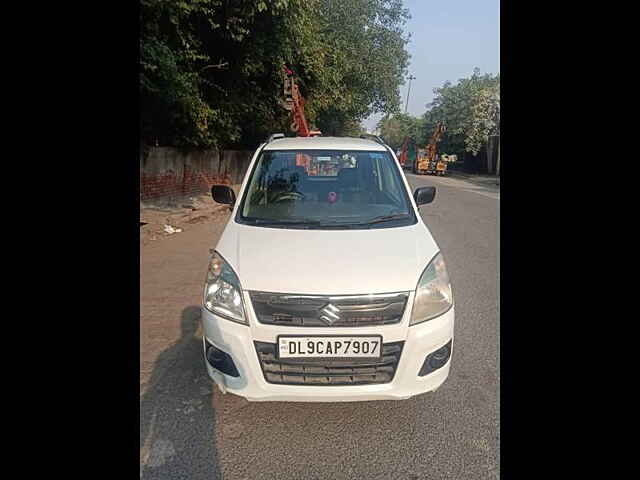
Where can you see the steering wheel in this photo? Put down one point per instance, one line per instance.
(288, 196)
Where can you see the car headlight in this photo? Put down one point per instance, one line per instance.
(222, 291)
(433, 293)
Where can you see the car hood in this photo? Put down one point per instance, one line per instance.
(327, 262)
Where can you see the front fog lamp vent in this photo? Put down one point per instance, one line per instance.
(435, 360)
(220, 360)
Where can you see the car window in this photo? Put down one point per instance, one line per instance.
(322, 188)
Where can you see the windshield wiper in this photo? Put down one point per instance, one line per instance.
(383, 218)
(386, 218)
(305, 223)
(281, 223)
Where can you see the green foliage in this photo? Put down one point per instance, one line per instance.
(485, 118)
(470, 110)
(364, 61)
(394, 128)
(210, 70)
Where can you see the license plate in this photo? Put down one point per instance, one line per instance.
(330, 347)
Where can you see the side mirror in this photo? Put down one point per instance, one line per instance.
(223, 194)
(424, 195)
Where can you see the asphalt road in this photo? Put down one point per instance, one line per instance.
(189, 430)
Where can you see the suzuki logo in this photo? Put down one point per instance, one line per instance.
(330, 314)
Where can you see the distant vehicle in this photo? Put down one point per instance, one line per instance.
(428, 161)
(326, 285)
(407, 154)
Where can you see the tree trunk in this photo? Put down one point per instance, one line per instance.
(489, 156)
(498, 165)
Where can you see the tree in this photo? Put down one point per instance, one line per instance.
(470, 110)
(485, 118)
(394, 129)
(210, 70)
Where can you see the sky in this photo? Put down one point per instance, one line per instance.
(448, 39)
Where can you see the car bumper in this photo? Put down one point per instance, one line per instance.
(238, 341)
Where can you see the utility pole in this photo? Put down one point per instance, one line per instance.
(411, 77)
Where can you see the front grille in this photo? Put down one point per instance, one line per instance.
(312, 371)
(328, 311)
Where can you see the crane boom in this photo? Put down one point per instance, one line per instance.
(426, 163)
(294, 102)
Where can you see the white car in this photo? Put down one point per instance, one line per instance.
(326, 285)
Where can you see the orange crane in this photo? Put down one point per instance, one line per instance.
(294, 102)
(427, 162)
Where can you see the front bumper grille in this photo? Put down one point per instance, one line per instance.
(328, 311)
(311, 371)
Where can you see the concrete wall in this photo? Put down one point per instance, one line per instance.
(168, 173)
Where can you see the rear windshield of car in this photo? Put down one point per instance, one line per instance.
(325, 189)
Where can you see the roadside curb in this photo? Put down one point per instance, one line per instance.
(481, 179)
(486, 180)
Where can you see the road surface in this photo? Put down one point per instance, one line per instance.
(189, 430)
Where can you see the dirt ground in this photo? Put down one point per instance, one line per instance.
(179, 214)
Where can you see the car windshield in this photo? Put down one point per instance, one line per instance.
(326, 189)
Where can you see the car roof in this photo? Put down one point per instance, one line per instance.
(324, 143)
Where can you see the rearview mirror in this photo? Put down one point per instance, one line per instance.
(424, 195)
(223, 194)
